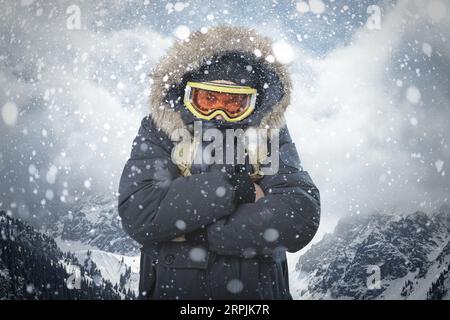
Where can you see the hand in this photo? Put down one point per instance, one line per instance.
(259, 192)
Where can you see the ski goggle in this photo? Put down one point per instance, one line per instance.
(207, 100)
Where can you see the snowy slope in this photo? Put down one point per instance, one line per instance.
(411, 252)
(111, 265)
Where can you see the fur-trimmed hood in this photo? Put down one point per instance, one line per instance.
(189, 55)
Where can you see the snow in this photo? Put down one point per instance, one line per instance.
(420, 285)
(427, 49)
(283, 51)
(111, 267)
(220, 191)
(298, 282)
(110, 264)
(413, 95)
(177, 7)
(9, 113)
(235, 286)
(182, 32)
(87, 184)
(143, 146)
(30, 288)
(197, 254)
(32, 170)
(413, 121)
(73, 246)
(51, 174)
(302, 7)
(270, 58)
(317, 6)
(180, 6)
(120, 85)
(180, 224)
(271, 235)
(49, 194)
(439, 164)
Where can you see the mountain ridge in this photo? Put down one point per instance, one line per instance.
(33, 267)
(401, 248)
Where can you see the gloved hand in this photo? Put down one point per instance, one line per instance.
(243, 185)
(238, 174)
(239, 177)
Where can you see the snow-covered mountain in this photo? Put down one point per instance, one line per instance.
(411, 254)
(93, 223)
(92, 230)
(379, 256)
(33, 267)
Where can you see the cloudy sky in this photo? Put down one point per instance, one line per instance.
(370, 111)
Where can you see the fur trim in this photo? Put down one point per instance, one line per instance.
(190, 54)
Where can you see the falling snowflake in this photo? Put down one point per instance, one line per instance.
(197, 254)
(316, 6)
(9, 113)
(271, 235)
(180, 224)
(413, 95)
(235, 286)
(427, 50)
(439, 165)
(283, 51)
(220, 191)
(302, 7)
(182, 32)
(51, 174)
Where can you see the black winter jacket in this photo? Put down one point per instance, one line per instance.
(231, 252)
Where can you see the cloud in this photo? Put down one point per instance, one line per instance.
(79, 96)
(365, 143)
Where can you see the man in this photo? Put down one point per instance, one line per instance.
(217, 230)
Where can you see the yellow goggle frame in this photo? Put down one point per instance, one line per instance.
(224, 88)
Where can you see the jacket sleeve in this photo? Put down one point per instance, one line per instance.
(285, 219)
(156, 203)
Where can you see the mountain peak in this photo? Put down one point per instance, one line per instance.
(399, 247)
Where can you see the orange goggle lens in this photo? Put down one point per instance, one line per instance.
(206, 100)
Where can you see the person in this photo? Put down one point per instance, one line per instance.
(217, 230)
